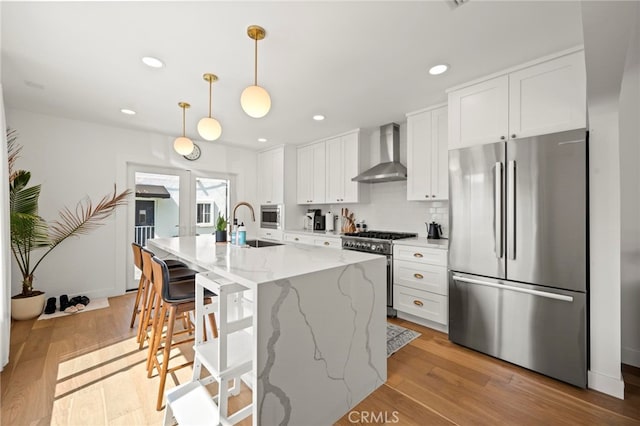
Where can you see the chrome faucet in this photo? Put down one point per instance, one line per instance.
(238, 204)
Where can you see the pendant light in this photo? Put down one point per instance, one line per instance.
(255, 100)
(208, 127)
(183, 145)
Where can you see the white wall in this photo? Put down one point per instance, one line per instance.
(73, 159)
(630, 201)
(607, 31)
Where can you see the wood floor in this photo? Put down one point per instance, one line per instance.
(86, 369)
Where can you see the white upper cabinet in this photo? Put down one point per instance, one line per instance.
(545, 97)
(311, 174)
(342, 165)
(479, 114)
(549, 97)
(427, 155)
(271, 176)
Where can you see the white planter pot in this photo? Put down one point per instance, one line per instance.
(27, 307)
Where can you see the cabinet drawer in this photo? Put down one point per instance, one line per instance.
(299, 239)
(429, 256)
(421, 276)
(270, 234)
(328, 242)
(423, 304)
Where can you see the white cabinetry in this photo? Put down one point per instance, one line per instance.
(311, 174)
(271, 176)
(427, 154)
(534, 99)
(420, 285)
(342, 165)
(312, 239)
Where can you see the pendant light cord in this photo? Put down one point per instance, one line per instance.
(184, 109)
(255, 68)
(210, 83)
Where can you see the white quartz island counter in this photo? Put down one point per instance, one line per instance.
(319, 321)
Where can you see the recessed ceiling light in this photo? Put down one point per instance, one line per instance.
(128, 111)
(262, 140)
(152, 62)
(318, 117)
(438, 69)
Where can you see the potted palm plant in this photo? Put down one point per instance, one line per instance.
(221, 229)
(30, 232)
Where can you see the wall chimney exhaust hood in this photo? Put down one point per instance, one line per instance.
(390, 169)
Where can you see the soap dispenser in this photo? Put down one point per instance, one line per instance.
(234, 231)
(242, 235)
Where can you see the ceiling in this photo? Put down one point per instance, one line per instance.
(361, 64)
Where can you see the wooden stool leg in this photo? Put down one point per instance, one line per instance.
(144, 302)
(156, 333)
(137, 304)
(166, 354)
(147, 318)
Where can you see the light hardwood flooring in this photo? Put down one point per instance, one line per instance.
(86, 369)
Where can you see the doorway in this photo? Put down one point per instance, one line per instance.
(171, 203)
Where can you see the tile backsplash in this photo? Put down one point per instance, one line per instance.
(389, 210)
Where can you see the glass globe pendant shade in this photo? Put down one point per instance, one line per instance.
(183, 145)
(209, 128)
(255, 101)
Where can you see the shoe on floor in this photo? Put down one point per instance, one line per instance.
(71, 309)
(51, 306)
(64, 302)
(84, 300)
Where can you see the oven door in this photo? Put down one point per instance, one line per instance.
(270, 217)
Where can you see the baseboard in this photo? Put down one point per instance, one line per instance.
(606, 384)
(423, 322)
(631, 356)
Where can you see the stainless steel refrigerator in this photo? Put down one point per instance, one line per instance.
(518, 252)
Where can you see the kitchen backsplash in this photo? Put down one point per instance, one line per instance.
(389, 210)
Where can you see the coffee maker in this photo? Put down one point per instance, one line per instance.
(319, 222)
(310, 219)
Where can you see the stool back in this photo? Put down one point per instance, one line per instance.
(137, 255)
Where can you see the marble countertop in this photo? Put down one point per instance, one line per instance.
(251, 266)
(442, 243)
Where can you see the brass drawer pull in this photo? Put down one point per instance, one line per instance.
(418, 276)
(326, 243)
(417, 254)
(296, 239)
(418, 303)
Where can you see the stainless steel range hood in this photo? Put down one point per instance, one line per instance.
(390, 169)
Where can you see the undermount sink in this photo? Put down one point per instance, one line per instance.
(261, 243)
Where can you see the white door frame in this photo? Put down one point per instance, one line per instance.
(186, 199)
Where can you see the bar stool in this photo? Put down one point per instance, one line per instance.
(141, 294)
(176, 274)
(171, 300)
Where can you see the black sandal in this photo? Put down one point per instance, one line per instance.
(51, 306)
(64, 302)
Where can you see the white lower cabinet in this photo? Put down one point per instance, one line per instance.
(423, 304)
(420, 285)
(270, 234)
(314, 240)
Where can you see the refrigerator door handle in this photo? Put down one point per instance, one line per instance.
(497, 210)
(555, 296)
(511, 210)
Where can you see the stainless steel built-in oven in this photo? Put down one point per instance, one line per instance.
(271, 216)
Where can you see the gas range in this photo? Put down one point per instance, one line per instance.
(378, 242)
(373, 241)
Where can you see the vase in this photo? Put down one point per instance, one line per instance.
(25, 308)
(221, 236)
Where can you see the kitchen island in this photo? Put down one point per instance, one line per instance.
(319, 323)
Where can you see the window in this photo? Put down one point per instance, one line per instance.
(203, 214)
